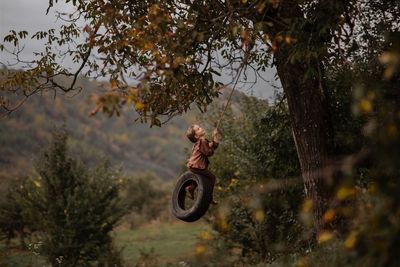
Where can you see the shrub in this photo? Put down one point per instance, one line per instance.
(73, 208)
(12, 222)
(258, 150)
(145, 198)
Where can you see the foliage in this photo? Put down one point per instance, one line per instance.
(235, 157)
(73, 208)
(12, 222)
(253, 165)
(257, 220)
(145, 198)
(256, 144)
(275, 149)
(140, 190)
(335, 59)
(173, 48)
(367, 196)
(346, 135)
(147, 259)
(380, 91)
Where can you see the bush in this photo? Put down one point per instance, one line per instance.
(12, 222)
(253, 165)
(73, 208)
(145, 198)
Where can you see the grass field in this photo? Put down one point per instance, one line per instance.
(170, 242)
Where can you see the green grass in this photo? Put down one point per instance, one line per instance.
(170, 242)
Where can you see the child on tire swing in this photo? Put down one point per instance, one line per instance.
(202, 149)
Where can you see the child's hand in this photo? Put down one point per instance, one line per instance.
(215, 132)
(215, 135)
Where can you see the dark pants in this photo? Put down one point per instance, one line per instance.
(205, 172)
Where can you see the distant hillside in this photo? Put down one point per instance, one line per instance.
(133, 146)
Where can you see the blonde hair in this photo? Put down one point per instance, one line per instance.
(191, 134)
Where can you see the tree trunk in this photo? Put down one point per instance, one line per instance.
(305, 98)
(307, 112)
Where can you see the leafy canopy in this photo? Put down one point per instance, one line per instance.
(161, 56)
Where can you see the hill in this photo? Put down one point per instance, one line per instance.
(130, 145)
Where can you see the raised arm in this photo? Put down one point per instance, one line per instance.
(207, 148)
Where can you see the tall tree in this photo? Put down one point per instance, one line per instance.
(73, 208)
(175, 49)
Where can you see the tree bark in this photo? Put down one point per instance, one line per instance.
(307, 111)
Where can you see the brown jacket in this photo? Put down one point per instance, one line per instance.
(200, 152)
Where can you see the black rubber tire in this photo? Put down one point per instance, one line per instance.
(201, 202)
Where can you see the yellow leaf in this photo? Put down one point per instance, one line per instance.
(205, 235)
(329, 215)
(303, 262)
(279, 38)
(37, 183)
(365, 105)
(233, 182)
(223, 225)
(351, 240)
(324, 237)
(345, 193)
(147, 46)
(139, 106)
(259, 215)
(200, 249)
(307, 206)
(289, 39)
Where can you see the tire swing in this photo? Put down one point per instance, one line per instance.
(191, 210)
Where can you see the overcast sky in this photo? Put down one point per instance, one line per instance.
(30, 15)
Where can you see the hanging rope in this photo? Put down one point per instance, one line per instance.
(233, 89)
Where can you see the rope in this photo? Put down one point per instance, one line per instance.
(231, 93)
